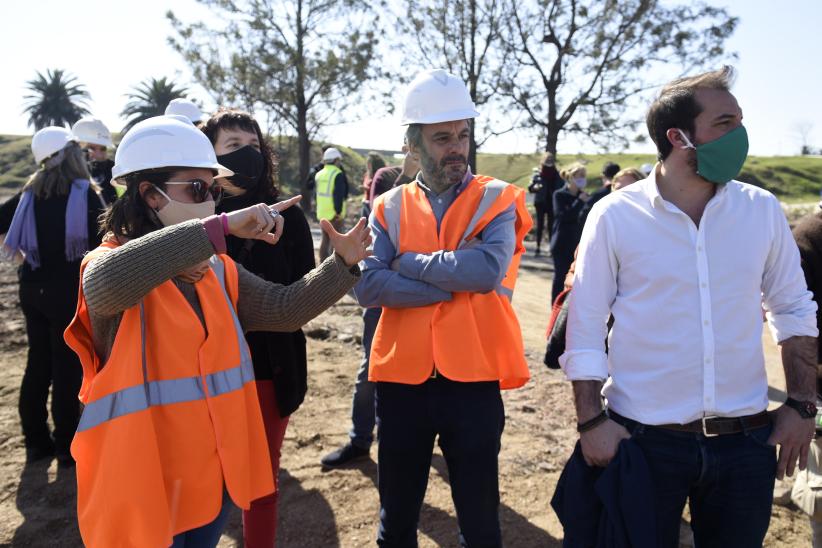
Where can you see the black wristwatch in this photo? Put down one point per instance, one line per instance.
(806, 409)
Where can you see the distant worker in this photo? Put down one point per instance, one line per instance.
(95, 139)
(446, 253)
(187, 108)
(332, 192)
(362, 406)
(52, 222)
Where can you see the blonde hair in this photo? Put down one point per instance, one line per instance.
(55, 180)
(572, 170)
(632, 171)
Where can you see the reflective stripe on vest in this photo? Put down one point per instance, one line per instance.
(154, 393)
(392, 213)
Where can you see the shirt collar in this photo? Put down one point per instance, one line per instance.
(651, 189)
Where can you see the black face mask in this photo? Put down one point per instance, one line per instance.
(247, 164)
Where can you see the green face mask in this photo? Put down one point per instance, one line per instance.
(721, 160)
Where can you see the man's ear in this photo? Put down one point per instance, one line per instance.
(674, 136)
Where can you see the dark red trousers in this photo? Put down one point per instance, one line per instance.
(260, 521)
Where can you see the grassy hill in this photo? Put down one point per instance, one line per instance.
(793, 179)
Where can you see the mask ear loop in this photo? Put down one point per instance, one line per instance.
(688, 143)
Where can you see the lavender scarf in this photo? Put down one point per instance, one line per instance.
(22, 234)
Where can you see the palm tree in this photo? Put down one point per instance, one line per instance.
(150, 98)
(55, 99)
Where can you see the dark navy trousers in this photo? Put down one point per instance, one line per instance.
(468, 420)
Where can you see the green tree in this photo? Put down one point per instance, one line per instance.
(150, 98)
(303, 62)
(465, 37)
(56, 99)
(580, 65)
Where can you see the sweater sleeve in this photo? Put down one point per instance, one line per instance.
(118, 279)
(266, 306)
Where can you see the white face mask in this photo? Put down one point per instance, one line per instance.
(175, 212)
(580, 182)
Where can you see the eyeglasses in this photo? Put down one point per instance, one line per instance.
(199, 189)
(95, 148)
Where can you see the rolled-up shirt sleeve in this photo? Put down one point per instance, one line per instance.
(589, 307)
(789, 306)
(381, 286)
(479, 268)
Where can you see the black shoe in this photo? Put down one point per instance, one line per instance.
(344, 455)
(536, 254)
(34, 454)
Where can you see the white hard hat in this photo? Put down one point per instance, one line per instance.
(435, 96)
(165, 141)
(647, 168)
(48, 141)
(91, 130)
(185, 107)
(331, 154)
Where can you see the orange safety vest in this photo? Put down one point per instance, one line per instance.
(475, 336)
(170, 418)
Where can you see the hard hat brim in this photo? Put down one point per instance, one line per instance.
(452, 116)
(222, 172)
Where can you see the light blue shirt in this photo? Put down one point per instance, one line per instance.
(420, 279)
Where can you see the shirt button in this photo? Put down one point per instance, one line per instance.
(706, 322)
(699, 248)
(703, 284)
(707, 360)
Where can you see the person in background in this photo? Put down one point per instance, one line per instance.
(185, 108)
(568, 203)
(159, 329)
(686, 260)
(551, 182)
(608, 171)
(373, 162)
(280, 362)
(807, 489)
(625, 177)
(52, 221)
(541, 204)
(362, 407)
(95, 139)
(332, 192)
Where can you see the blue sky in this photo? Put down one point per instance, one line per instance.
(111, 46)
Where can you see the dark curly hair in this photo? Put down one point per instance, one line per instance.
(233, 118)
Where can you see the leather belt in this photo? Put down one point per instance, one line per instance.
(711, 426)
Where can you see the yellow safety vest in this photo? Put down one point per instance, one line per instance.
(324, 180)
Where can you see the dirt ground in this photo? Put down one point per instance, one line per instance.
(339, 508)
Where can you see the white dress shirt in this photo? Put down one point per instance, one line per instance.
(686, 300)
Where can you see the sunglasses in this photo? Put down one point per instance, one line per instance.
(95, 148)
(199, 189)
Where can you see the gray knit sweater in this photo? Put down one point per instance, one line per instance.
(117, 280)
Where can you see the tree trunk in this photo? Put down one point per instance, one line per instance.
(551, 142)
(303, 143)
